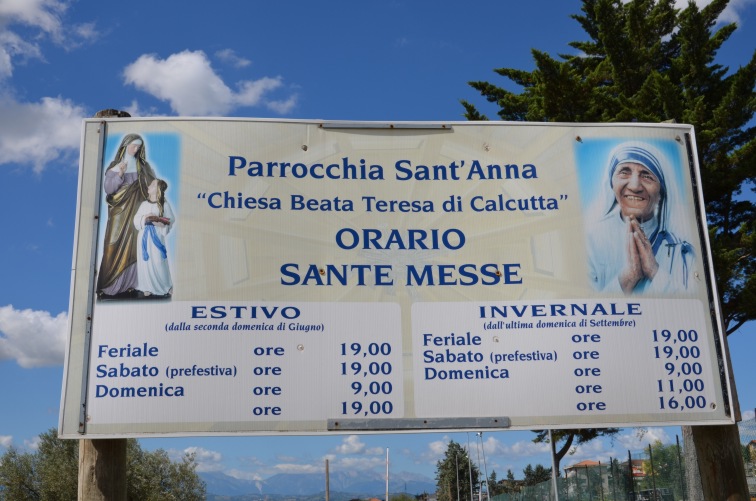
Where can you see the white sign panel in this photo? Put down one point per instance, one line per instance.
(249, 276)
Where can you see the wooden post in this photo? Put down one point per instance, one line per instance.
(714, 464)
(720, 464)
(102, 462)
(716, 454)
(102, 470)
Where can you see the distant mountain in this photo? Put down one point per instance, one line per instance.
(298, 484)
(354, 484)
(226, 485)
(320, 496)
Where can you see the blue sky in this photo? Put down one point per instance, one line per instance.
(61, 61)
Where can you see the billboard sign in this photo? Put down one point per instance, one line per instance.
(267, 276)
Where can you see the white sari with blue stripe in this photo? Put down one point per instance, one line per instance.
(607, 236)
(153, 271)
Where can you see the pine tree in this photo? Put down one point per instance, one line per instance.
(534, 476)
(494, 486)
(646, 61)
(511, 483)
(454, 473)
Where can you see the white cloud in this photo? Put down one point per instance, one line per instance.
(251, 92)
(6, 68)
(640, 438)
(37, 133)
(747, 415)
(135, 110)
(43, 15)
(206, 460)
(526, 448)
(490, 445)
(33, 444)
(87, 31)
(12, 45)
(229, 56)
(351, 445)
(595, 450)
(202, 454)
(733, 10)
(360, 463)
(244, 475)
(436, 450)
(438, 447)
(6, 440)
(731, 13)
(32, 338)
(297, 468)
(188, 82)
(283, 107)
(185, 79)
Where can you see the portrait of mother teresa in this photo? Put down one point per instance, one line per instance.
(637, 244)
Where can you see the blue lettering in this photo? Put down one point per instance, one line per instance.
(235, 163)
(406, 173)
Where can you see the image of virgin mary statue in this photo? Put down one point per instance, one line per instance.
(126, 181)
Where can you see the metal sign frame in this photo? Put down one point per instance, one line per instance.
(435, 275)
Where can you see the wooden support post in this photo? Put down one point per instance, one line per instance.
(720, 462)
(713, 462)
(102, 470)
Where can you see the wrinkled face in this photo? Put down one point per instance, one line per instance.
(637, 190)
(152, 190)
(132, 149)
